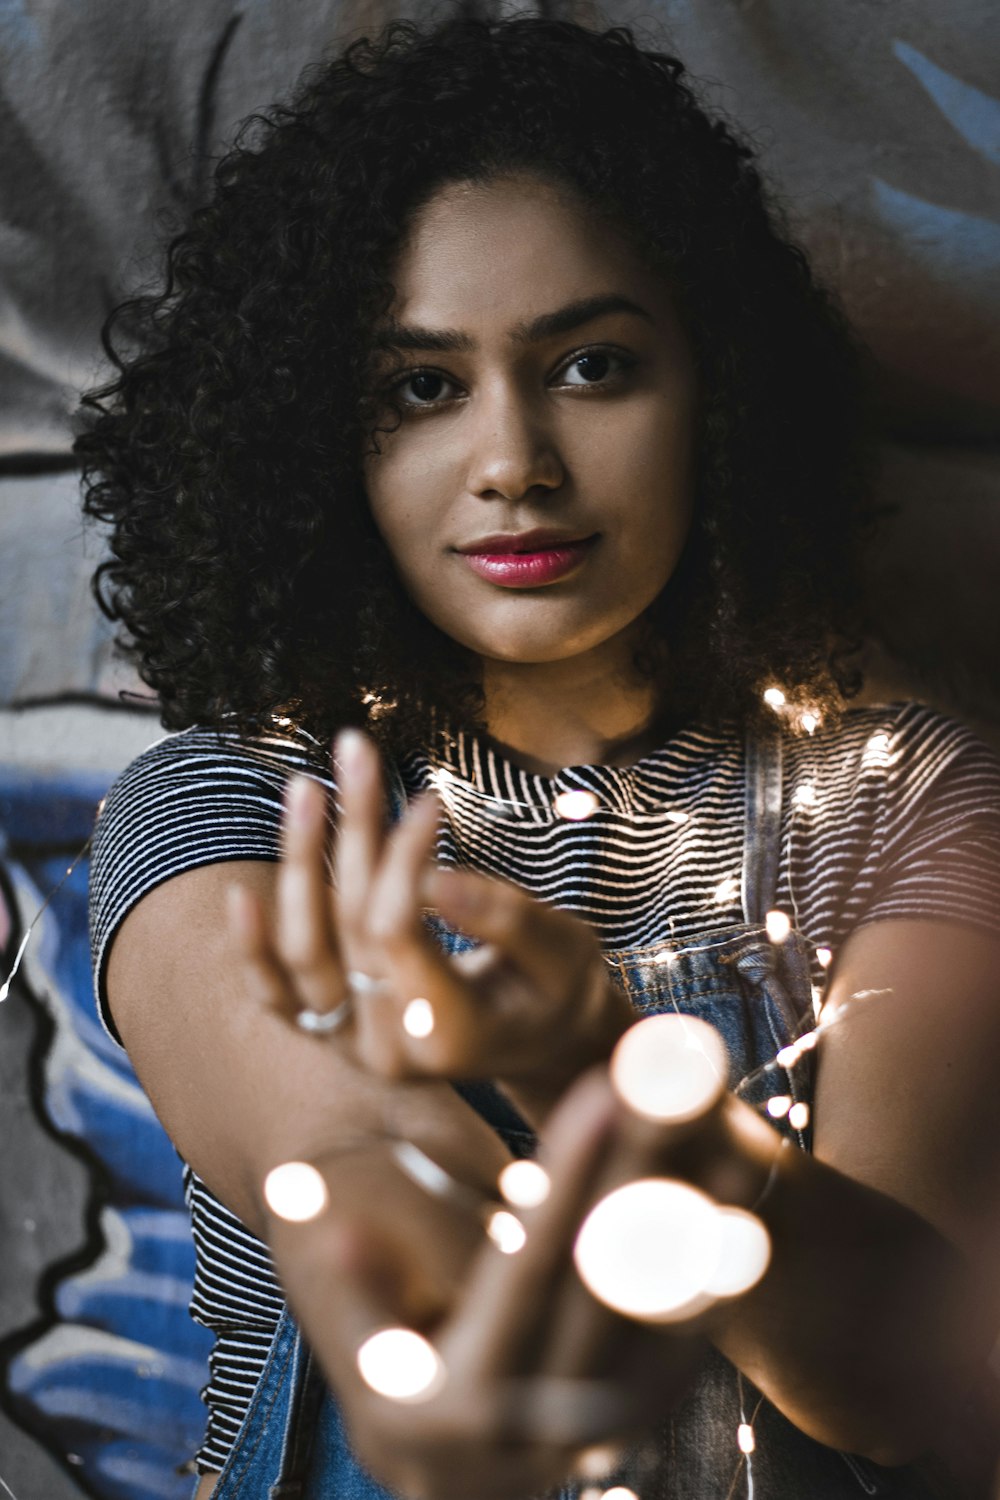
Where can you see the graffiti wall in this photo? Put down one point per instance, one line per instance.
(880, 126)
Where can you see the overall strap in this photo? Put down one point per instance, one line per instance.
(762, 826)
(306, 1397)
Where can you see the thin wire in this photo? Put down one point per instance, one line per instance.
(5, 987)
(744, 1457)
(7, 1487)
(809, 1037)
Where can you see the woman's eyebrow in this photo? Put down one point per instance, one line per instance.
(545, 326)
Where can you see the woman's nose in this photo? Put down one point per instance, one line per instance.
(513, 450)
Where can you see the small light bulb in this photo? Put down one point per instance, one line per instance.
(726, 892)
(506, 1231)
(798, 1116)
(400, 1364)
(619, 1492)
(575, 806)
(778, 1106)
(418, 1018)
(810, 722)
(525, 1184)
(596, 1462)
(805, 795)
(295, 1191)
(746, 1254)
(787, 1057)
(824, 957)
(670, 1068)
(778, 926)
(648, 1249)
(878, 744)
(679, 817)
(774, 697)
(665, 956)
(745, 1438)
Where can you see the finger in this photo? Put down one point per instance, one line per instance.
(502, 1323)
(558, 957)
(395, 916)
(550, 946)
(584, 1336)
(368, 1284)
(306, 939)
(263, 978)
(558, 1010)
(360, 841)
(644, 1147)
(458, 1035)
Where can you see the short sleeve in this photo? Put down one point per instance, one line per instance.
(196, 798)
(939, 822)
(894, 812)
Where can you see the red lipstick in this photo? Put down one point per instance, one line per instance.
(526, 559)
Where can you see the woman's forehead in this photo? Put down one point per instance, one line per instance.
(508, 252)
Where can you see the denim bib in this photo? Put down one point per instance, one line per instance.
(758, 995)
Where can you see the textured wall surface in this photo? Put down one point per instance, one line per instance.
(879, 123)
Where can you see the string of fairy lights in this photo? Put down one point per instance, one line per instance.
(655, 1249)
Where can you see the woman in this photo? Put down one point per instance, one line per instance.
(487, 409)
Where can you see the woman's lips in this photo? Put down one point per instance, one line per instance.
(520, 570)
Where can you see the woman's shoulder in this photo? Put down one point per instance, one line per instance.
(196, 796)
(893, 742)
(895, 774)
(204, 748)
(203, 762)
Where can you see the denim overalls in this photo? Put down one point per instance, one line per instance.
(758, 994)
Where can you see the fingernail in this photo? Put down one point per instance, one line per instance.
(349, 751)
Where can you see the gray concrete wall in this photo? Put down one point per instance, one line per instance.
(880, 123)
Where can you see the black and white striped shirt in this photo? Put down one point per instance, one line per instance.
(893, 812)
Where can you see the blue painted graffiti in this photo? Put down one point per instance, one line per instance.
(114, 1380)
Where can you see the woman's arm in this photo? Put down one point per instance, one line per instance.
(239, 1090)
(874, 1319)
(873, 1327)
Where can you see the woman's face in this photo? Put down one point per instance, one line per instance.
(546, 387)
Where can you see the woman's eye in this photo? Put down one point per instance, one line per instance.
(429, 388)
(426, 388)
(595, 367)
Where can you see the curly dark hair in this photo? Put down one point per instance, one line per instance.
(226, 455)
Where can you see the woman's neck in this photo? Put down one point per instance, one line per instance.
(586, 711)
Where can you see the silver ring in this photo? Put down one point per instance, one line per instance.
(432, 1177)
(325, 1022)
(360, 984)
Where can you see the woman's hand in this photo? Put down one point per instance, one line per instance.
(531, 1007)
(534, 1369)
